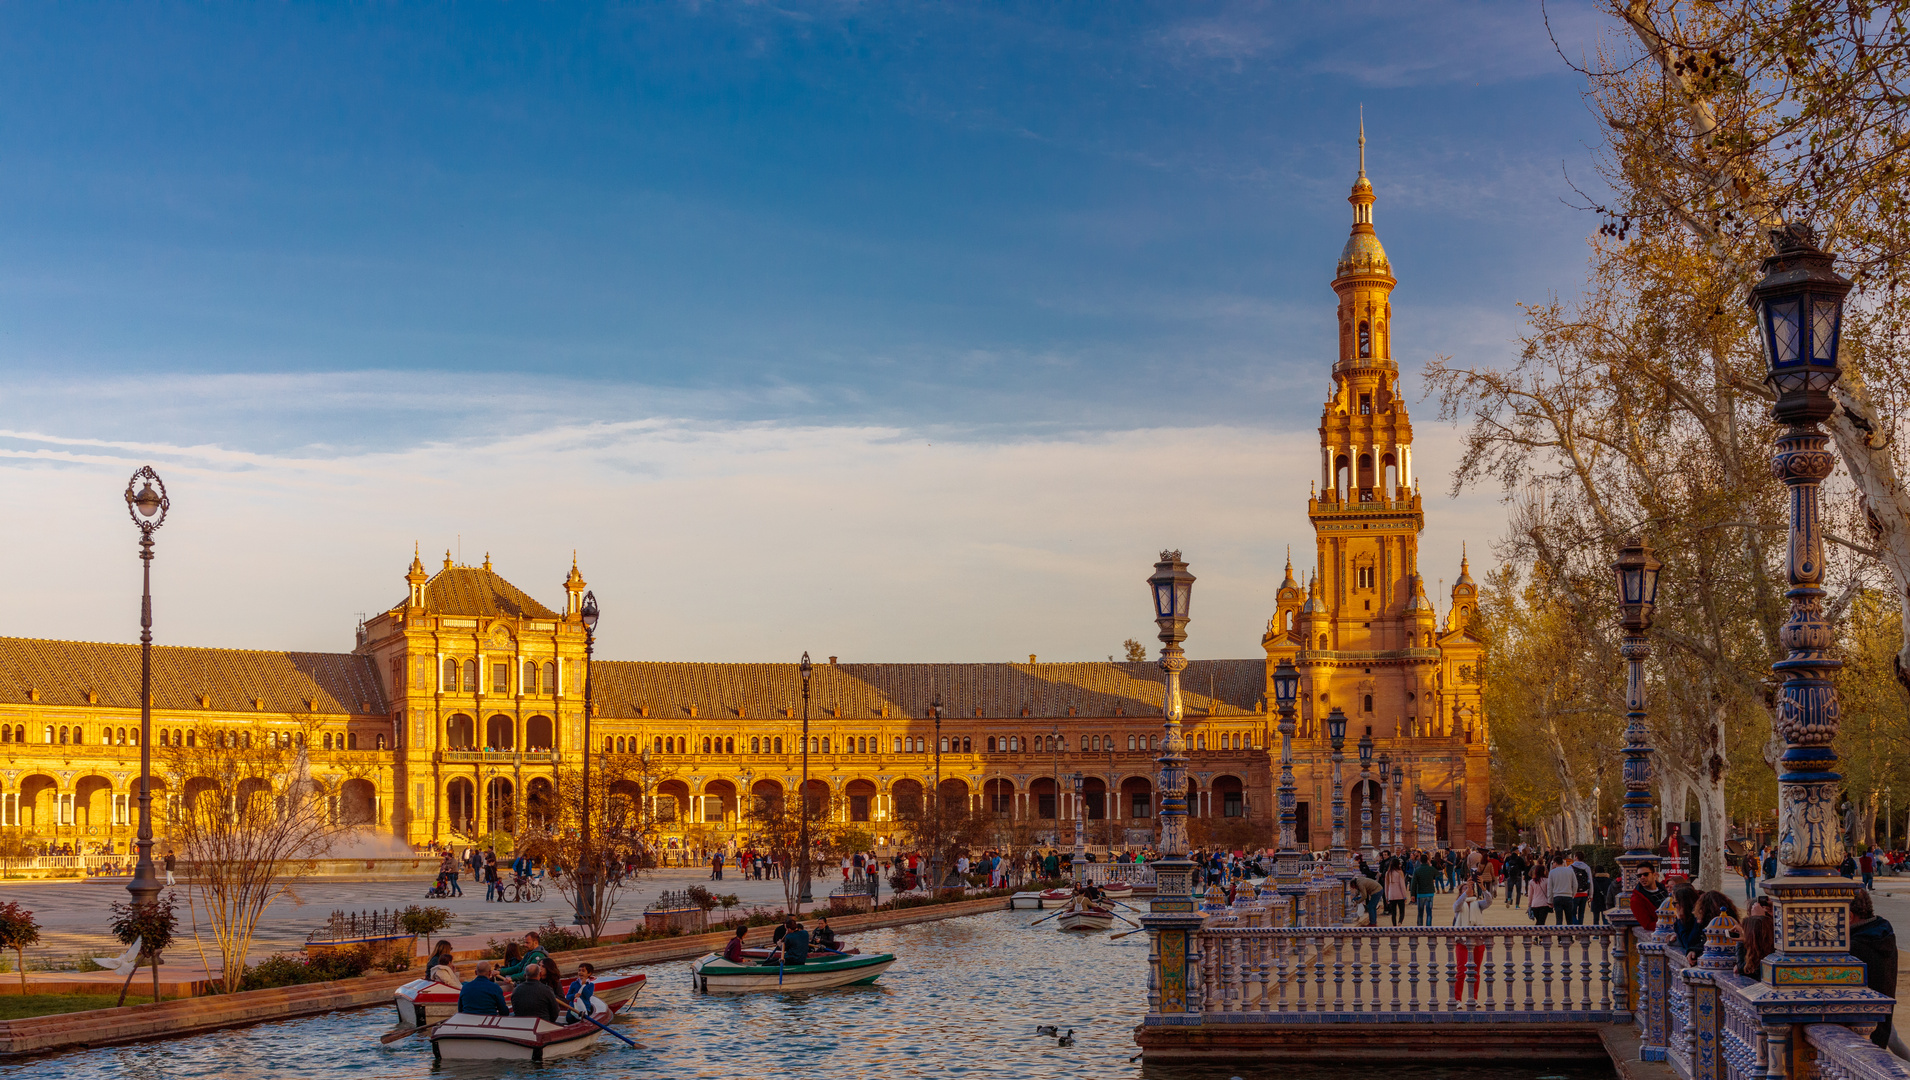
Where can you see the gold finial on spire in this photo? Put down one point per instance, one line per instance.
(1362, 140)
(447, 558)
(487, 560)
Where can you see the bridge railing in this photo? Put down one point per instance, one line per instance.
(1267, 975)
(1843, 1054)
(1136, 874)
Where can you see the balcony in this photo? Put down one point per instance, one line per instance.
(497, 757)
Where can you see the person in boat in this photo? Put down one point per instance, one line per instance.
(533, 954)
(481, 996)
(533, 997)
(826, 938)
(583, 987)
(788, 924)
(733, 951)
(795, 948)
(440, 968)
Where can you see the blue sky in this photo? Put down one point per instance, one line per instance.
(825, 322)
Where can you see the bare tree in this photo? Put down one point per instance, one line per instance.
(624, 829)
(249, 816)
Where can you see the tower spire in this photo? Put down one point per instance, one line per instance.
(1362, 141)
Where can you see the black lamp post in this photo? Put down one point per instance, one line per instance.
(1336, 732)
(1171, 919)
(586, 866)
(1385, 777)
(1369, 836)
(148, 509)
(1286, 691)
(1637, 576)
(935, 801)
(1079, 864)
(1799, 306)
(802, 800)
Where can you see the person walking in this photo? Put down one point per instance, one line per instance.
(1425, 884)
(1515, 868)
(1538, 895)
(1561, 883)
(1396, 889)
(171, 862)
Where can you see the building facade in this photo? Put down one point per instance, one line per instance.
(458, 706)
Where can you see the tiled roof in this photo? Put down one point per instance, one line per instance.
(64, 671)
(669, 691)
(474, 591)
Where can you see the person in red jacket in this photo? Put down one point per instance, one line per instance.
(1646, 897)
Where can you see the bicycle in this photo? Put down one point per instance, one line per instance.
(524, 890)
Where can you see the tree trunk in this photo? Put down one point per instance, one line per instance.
(1859, 437)
(1716, 825)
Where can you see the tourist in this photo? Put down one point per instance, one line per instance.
(583, 987)
(1425, 883)
(534, 954)
(1538, 894)
(826, 938)
(716, 866)
(1873, 941)
(481, 996)
(1687, 932)
(1759, 940)
(1369, 890)
(1515, 868)
(1396, 889)
(534, 998)
(733, 950)
(493, 888)
(848, 865)
(440, 967)
(1867, 866)
(171, 861)
(795, 948)
(1646, 895)
(1601, 895)
(1468, 955)
(1561, 884)
(1582, 887)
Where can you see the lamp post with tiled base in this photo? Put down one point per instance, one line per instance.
(586, 860)
(1172, 920)
(148, 509)
(1811, 976)
(1286, 862)
(1637, 574)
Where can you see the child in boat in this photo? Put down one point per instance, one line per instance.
(440, 967)
(583, 986)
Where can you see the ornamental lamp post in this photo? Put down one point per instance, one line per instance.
(586, 867)
(1286, 691)
(802, 800)
(1385, 817)
(1399, 809)
(1799, 308)
(1368, 834)
(1336, 732)
(1171, 919)
(148, 510)
(1636, 572)
(1080, 861)
(935, 801)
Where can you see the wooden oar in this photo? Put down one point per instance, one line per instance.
(1045, 918)
(397, 1033)
(634, 1045)
(1126, 933)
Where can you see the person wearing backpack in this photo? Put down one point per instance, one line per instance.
(1582, 889)
(1561, 884)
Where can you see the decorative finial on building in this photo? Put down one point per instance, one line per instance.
(447, 558)
(1362, 140)
(487, 560)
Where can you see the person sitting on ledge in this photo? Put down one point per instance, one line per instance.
(481, 996)
(533, 997)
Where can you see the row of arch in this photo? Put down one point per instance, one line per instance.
(40, 804)
(907, 744)
(500, 733)
(534, 679)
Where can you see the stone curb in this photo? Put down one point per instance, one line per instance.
(193, 1016)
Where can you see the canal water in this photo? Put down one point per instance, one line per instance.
(963, 1000)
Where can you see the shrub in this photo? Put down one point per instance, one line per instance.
(555, 938)
(702, 897)
(291, 969)
(419, 921)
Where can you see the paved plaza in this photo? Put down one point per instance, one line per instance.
(73, 915)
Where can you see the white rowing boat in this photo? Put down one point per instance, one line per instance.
(713, 974)
(465, 1037)
(427, 1001)
(1085, 916)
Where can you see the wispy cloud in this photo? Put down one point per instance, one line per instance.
(704, 539)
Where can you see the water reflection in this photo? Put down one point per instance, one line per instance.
(963, 1000)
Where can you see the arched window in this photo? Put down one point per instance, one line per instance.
(106, 736)
(755, 745)
(450, 677)
(530, 676)
(1367, 703)
(1130, 742)
(328, 740)
(6, 733)
(550, 678)
(470, 675)
(1200, 742)
(63, 736)
(351, 741)
(706, 746)
(944, 744)
(779, 745)
(619, 744)
(968, 745)
(898, 744)
(658, 747)
(1366, 339)
(381, 742)
(825, 744)
(49, 733)
(1322, 641)
(608, 743)
(729, 746)
(991, 743)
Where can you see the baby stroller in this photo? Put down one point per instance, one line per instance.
(442, 889)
